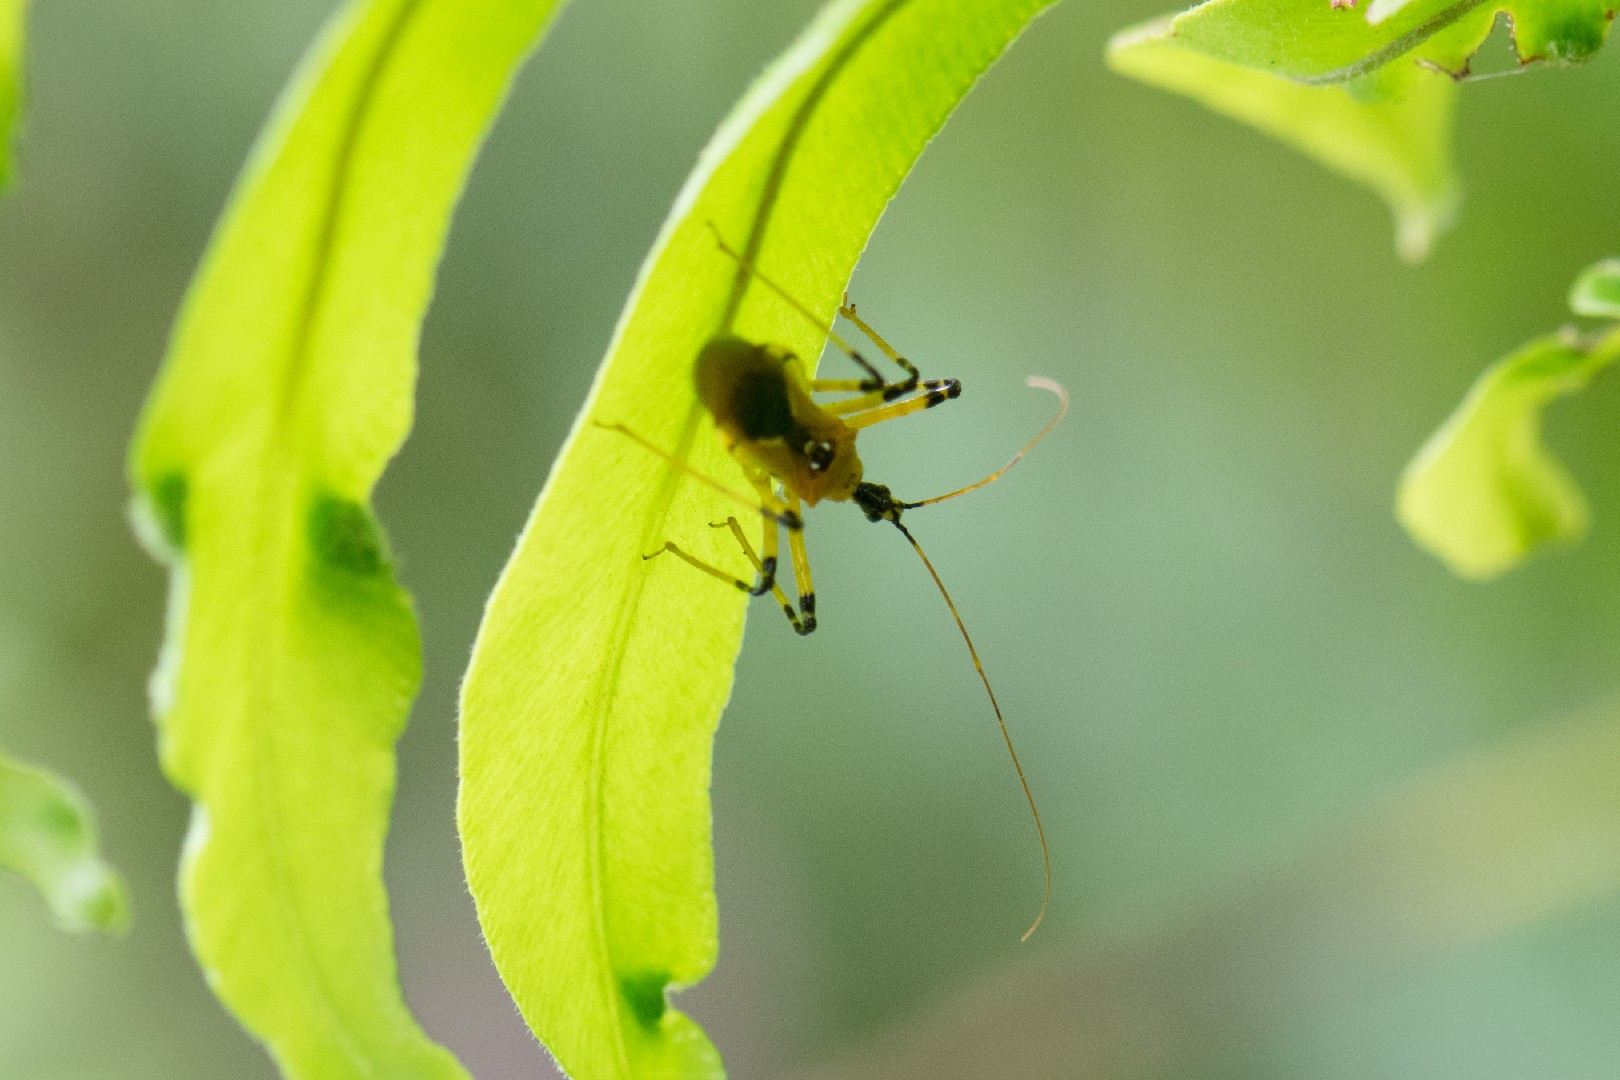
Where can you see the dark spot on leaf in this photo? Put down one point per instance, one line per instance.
(1578, 38)
(62, 821)
(344, 536)
(166, 497)
(644, 993)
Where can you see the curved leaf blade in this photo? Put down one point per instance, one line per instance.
(590, 706)
(292, 655)
(47, 835)
(1485, 491)
(1390, 131)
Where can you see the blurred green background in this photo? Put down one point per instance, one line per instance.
(1317, 809)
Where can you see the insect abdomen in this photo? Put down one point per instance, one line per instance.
(745, 389)
(759, 403)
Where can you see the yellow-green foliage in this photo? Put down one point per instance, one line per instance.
(47, 835)
(597, 680)
(1364, 90)
(1485, 491)
(292, 655)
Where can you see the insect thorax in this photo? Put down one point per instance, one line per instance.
(760, 399)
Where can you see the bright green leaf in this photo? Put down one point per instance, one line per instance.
(48, 836)
(1485, 491)
(1312, 41)
(1597, 291)
(292, 655)
(13, 15)
(598, 678)
(1390, 130)
(1324, 78)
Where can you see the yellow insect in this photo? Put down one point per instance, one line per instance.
(796, 452)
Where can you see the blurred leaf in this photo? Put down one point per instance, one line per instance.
(1390, 130)
(590, 707)
(13, 15)
(1485, 491)
(48, 836)
(292, 655)
(1597, 291)
(1322, 78)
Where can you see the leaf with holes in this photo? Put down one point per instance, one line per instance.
(292, 655)
(49, 837)
(591, 703)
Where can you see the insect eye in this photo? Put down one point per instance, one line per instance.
(820, 455)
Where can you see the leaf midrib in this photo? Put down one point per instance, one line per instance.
(608, 684)
(282, 444)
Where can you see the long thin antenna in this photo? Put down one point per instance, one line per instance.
(1006, 736)
(1037, 382)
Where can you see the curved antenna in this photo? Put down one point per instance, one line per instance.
(1037, 382)
(1006, 736)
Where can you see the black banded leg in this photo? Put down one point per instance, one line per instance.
(801, 571)
(937, 394)
(906, 385)
(803, 626)
(943, 389)
(766, 567)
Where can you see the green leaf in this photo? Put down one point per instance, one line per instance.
(292, 655)
(1485, 491)
(1565, 31)
(597, 681)
(1390, 130)
(13, 15)
(1597, 291)
(48, 836)
(1326, 80)
(1314, 42)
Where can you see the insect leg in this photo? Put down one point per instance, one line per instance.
(874, 382)
(873, 389)
(770, 506)
(950, 387)
(904, 386)
(708, 568)
(801, 570)
(938, 392)
(767, 577)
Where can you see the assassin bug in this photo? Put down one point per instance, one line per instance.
(796, 452)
